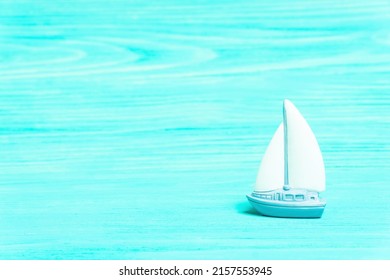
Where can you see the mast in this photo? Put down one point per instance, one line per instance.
(286, 186)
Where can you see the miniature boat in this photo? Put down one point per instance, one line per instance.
(292, 172)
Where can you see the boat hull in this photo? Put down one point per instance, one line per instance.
(291, 210)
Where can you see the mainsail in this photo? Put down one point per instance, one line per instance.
(305, 166)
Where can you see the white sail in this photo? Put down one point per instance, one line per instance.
(305, 166)
(305, 163)
(270, 176)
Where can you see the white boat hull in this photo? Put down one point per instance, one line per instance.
(273, 208)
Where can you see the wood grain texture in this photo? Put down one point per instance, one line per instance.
(133, 130)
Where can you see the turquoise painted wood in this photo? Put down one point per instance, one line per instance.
(134, 130)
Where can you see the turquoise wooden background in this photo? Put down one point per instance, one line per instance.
(134, 129)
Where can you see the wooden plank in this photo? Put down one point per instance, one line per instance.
(134, 130)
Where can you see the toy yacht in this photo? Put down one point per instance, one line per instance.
(292, 172)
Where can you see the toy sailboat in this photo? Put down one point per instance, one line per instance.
(292, 172)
